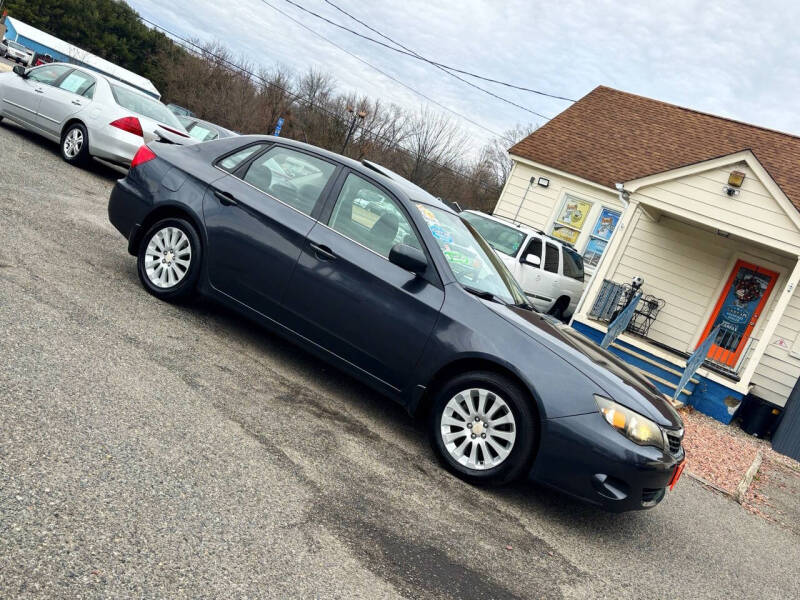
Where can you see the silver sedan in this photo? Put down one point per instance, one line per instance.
(89, 114)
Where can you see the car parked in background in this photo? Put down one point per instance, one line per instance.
(18, 53)
(41, 59)
(89, 114)
(410, 299)
(179, 111)
(3, 48)
(549, 271)
(204, 131)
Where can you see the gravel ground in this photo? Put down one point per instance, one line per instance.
(156, 451)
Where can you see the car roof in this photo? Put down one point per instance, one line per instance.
(521, 226)
(109, 79)
(404, 189)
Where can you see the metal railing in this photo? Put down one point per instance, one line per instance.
(719, 358)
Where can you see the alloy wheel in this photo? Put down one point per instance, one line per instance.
(167, 257)
(73, 142)
(478, 429)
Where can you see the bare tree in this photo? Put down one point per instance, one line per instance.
(494, 155)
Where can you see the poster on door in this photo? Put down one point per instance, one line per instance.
(742, 299)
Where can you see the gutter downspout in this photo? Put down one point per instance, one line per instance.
(623, 196)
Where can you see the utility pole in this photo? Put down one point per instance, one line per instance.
(360, 115)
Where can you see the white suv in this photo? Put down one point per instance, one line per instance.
(549, 271)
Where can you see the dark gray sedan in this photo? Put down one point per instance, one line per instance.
(409, 299)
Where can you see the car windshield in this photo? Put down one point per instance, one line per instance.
(502, 238)
(471, 259)
(144, 105)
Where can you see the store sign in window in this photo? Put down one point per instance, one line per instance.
(598, 240)
(571, 219)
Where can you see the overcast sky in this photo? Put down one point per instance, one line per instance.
(735, 59)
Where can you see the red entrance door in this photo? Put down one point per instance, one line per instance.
(737, 311)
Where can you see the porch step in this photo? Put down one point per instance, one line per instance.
(658, 365)
(664, 382)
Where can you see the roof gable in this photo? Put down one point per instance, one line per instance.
(610, 136)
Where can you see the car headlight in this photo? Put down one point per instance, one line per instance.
(632, 425)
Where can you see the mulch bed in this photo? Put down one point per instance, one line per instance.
(721, 454)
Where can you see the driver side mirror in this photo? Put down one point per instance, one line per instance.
(531, 259)
(20, 70)
(408, 258)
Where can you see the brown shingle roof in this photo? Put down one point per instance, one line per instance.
(610, 136)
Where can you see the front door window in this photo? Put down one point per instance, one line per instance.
(737, 311)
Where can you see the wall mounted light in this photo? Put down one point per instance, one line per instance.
(544, 181)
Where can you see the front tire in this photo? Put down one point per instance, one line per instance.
(75, 144)
(169, 258)
(482, 426)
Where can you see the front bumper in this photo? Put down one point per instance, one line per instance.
(585, 457)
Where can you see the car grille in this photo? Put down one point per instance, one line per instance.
(674, 438)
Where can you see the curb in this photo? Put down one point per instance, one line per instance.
(713, 486)
(744, 484)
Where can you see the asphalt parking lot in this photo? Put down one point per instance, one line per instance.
(158, 451)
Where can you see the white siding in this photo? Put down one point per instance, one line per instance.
(753, 210)
(778, 371)
(686, 266)
(541, 204)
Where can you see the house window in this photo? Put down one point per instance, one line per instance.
(599, 236)
(571, 219)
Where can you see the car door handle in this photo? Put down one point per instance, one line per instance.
(77, 103)
(39, 90)
(322, 252)
(226, 198)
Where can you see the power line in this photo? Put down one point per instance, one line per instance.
(194, 47)
(384, 73)
(414, 54)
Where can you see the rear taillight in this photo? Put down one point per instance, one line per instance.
(175, 131)
(129, 124)
(142, 155)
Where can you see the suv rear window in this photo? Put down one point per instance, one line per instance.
(573, 264)
(144, 105)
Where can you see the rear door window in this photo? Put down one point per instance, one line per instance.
(573, 264)
(551, 258)
(77, 82)
(294, 178)
(231, 162)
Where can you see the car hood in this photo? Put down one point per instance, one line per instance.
(620, 382)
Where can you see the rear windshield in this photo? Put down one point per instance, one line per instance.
(144, 105)
(501, 237)
(573, 264)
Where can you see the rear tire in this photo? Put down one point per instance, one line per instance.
(169, 259)
(557, 311)
(75, 144)
(482, 426)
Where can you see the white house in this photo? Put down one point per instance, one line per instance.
(705, 209)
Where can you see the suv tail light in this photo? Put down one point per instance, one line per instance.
(129, 124)
(142, 155)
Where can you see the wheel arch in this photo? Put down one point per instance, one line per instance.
(466, 365)
(72, 121)
(165, 211)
